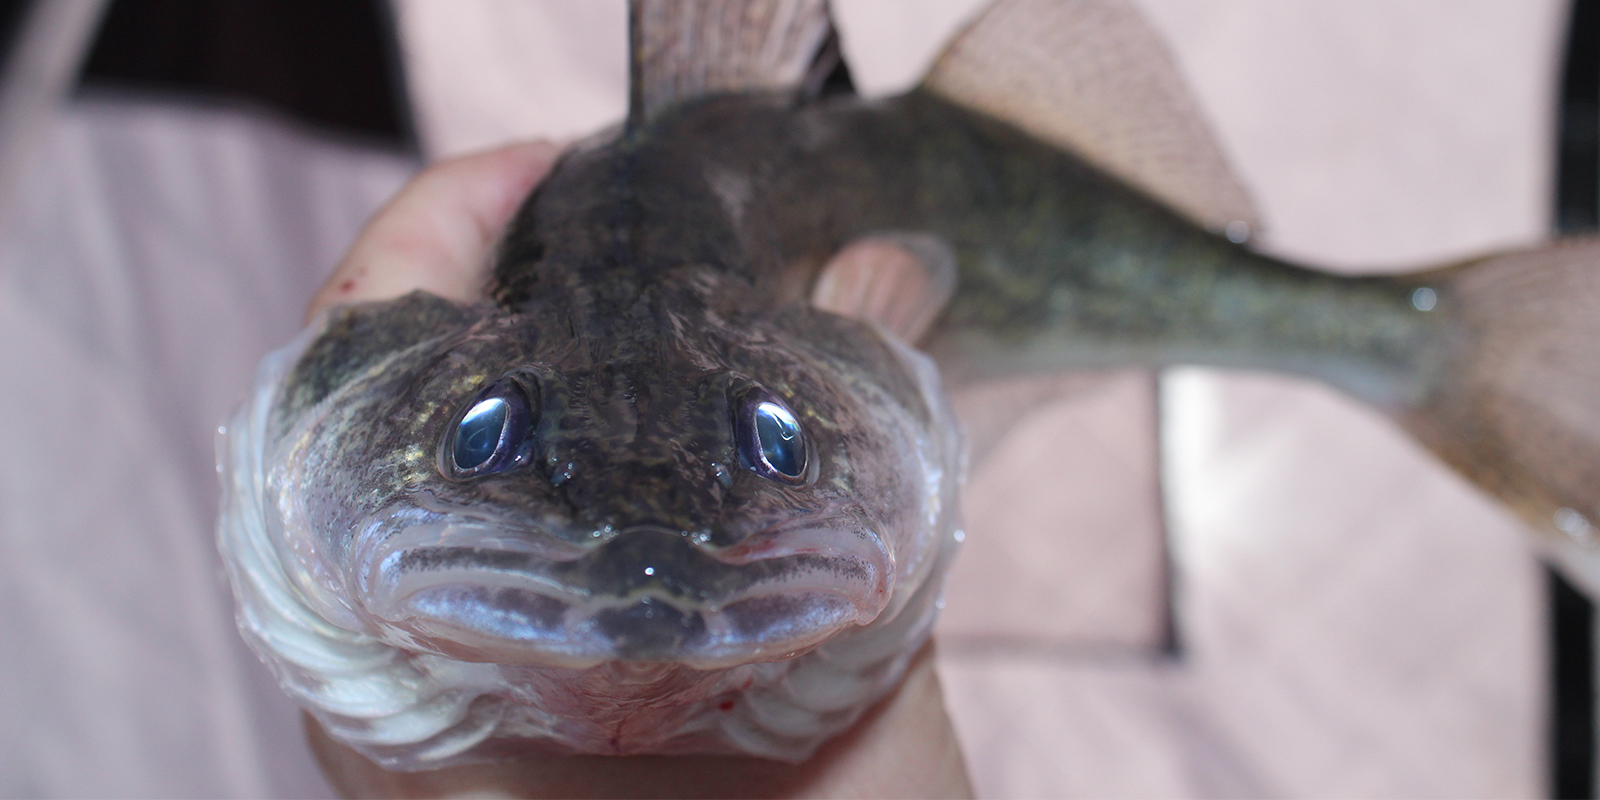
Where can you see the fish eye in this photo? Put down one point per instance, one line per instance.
(491, 435)
(771, 442)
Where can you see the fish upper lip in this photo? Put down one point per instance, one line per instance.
(473, 591)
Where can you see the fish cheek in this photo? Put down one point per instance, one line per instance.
(357, 338)
(361, 455)
(884, 441)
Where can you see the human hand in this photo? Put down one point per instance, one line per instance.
(437, 234)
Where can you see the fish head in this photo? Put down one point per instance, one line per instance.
(536, 487)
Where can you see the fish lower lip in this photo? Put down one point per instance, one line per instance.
(512, 626)
(650, 628)
(645, 596)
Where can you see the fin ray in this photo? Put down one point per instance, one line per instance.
(900, 281)
(1520, 412)
(682, 49)
(1093, 77)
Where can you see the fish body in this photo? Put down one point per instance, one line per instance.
(652, 495)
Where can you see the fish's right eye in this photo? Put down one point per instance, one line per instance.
(491, 434)
(771, 442)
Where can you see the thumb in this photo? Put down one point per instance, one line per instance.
(437, 233)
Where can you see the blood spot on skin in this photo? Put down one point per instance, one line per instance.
(726, 705)
(347, 286)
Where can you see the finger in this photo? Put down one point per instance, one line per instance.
(438, 232)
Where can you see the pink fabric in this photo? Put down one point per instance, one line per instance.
(161, 252)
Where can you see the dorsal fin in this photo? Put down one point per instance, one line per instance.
(681, 49)
(1093, 77)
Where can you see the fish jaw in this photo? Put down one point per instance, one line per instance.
(480, 592)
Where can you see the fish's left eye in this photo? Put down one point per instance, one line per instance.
(491, 435)
(771, 442)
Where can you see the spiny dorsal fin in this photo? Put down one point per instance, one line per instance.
(1093, 77)
(681, 49)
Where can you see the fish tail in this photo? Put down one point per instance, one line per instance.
(1516, 406)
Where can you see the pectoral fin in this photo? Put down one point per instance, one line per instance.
(900, 281)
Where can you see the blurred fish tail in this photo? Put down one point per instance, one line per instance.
(1517, 409)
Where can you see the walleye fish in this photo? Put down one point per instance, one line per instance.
(674, 487)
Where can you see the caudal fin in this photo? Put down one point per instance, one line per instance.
(1519, 411)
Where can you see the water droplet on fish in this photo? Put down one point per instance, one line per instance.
(222, 430)
(1238, 231)
(1424, 299)
(961, 536)
(649, 570)
(1575, 525)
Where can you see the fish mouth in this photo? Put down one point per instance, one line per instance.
(474, 592)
